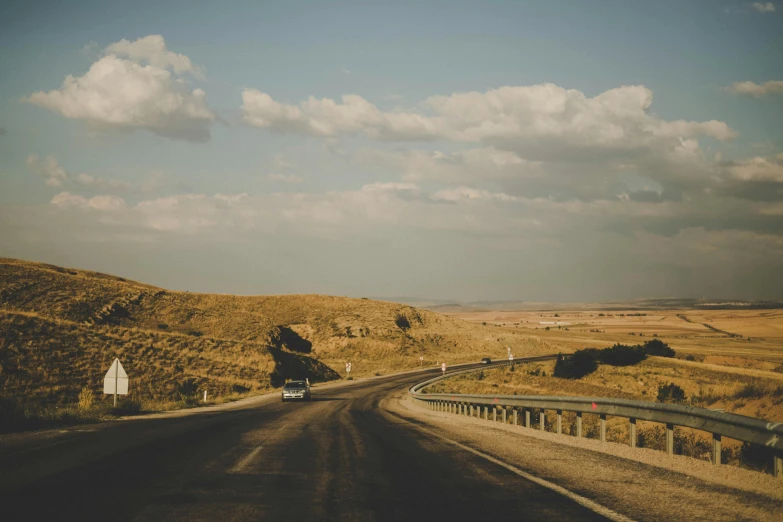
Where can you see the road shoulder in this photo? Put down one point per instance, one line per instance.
(640, 483)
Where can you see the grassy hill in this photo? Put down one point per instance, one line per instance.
(61, 328)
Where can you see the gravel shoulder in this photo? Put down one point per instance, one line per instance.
(641, 484)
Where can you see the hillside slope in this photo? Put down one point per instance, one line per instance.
(61, 328)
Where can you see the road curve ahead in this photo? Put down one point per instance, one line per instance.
(338, 457)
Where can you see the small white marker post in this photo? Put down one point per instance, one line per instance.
(348, 368)
(443, 368)
(205, 395)
(510, 356)
(115, 381)
(421, 360)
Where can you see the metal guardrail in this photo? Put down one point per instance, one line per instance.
(719, 424)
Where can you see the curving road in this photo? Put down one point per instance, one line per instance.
(338, 457)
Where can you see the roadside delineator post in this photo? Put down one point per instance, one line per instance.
(716, 443)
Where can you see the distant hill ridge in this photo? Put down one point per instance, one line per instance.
(60, 328)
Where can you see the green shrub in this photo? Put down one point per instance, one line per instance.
(187, 391)
(86, 398)
(127, 407)
(670, 393)
(621, 355)
(402, 322)
(581, 363)
(756, 457)
(658, 348)
(750, 391)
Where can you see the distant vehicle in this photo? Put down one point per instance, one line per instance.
(296, 390)
(486, 360)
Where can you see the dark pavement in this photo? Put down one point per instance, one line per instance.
(337, 457)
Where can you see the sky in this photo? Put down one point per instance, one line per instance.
(525, 150)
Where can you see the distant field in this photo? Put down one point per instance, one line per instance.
(736, 338)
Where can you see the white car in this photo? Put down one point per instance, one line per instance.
(296, 390)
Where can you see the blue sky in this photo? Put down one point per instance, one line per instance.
(558, 167)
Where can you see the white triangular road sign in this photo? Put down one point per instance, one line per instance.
(116, 366)
(116, 380)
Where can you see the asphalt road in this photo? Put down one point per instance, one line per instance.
(337, 457)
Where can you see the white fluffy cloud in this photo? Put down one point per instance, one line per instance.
(105, 203)
(284, 178)
(464, 166)
(763, 7)
(55, 175)
(757, 89)
(47, 167)
(137, 92)
(758, 169)
(99, 183)
(152, 50)
(617, 118)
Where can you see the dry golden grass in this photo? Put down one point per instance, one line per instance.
(61, 328)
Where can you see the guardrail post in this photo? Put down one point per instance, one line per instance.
(542, 420)
(486, 413)
(632, 431)
(559, 422)
(777, 466)
(505, 415)
(516, 417)
(579, 424)
(494, 414)
(716, 449)
(603, 427)
(471, 410)
(527, 418)
(670, 439)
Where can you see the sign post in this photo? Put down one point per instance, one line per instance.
(115, 382)
(443, 368)
(421, 360)
(348, 368)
